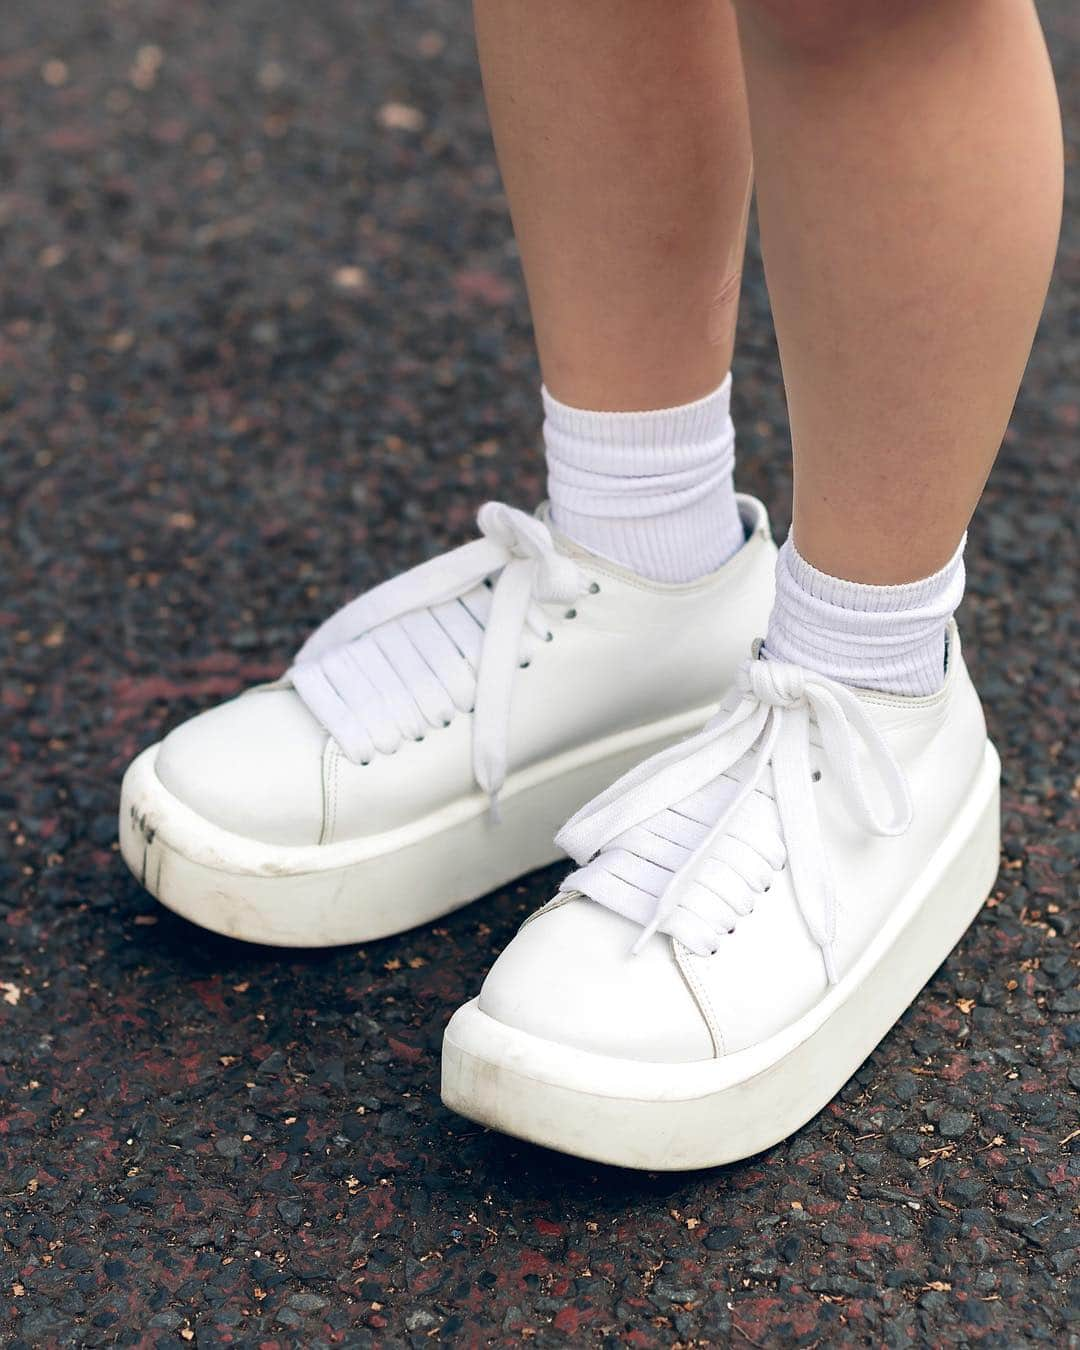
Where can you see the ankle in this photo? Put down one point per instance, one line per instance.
(653, 490)
(890, 638)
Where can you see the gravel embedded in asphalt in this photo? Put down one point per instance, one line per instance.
(265, 342)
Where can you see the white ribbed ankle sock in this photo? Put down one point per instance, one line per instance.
(650, 490)
(872, 637)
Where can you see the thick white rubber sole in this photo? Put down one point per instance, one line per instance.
(326, 895)
(669, 1117)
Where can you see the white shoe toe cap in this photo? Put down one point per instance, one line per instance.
(568, 977)
(252, 766)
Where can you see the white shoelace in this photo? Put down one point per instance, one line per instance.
(446, 637)
(646, 844)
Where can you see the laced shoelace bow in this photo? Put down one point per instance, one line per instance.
(771, 722)
(419, 667)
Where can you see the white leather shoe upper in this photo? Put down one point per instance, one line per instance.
(568, 976)
(391, 735)
(780, 879)
(252, 765)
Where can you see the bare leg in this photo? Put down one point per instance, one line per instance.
(909, 175)
(622, 138)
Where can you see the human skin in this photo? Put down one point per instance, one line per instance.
(622, 135)
(908, 162)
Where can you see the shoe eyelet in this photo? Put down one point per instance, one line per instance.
(417, 740)
(524, 665)
(594, 588)
(365, 763)
(550, 637)
(815, 777)
(445, 725)
(570, 614)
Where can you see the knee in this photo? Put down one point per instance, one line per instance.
(820, 29)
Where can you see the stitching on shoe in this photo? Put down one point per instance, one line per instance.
(760, 532)
(559, 899)
(331, 766)
(337, 791)
(700, 994)
(880, 699)
(732, 569)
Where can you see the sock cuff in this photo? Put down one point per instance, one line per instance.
(628, 442)
(941, 591)
(872, 637)
(652, 490)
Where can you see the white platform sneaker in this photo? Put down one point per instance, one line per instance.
(753, 911)
(433, 734)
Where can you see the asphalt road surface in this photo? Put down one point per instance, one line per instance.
(263, 342)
